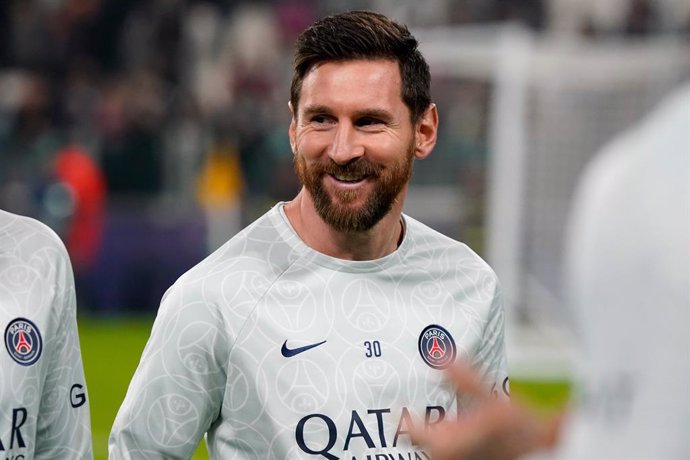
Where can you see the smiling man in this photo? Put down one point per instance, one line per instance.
(354, 143)
(322, 329)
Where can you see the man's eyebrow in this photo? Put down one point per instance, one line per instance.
(378, 114)
(364, 113)
(316, 110)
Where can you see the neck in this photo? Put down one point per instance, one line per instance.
(377, 242)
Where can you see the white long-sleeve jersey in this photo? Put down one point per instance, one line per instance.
(277, 351)
(44, 412)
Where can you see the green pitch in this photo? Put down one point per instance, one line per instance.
(111, 349)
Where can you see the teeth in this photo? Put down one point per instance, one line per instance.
(348, 177)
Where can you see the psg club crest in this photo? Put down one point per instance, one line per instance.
(23, 341)
(437, 347)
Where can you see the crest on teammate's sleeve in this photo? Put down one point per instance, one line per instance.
(23, 341)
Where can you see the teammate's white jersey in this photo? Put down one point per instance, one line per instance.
(278, 351)
(630, 278)
(44, 411)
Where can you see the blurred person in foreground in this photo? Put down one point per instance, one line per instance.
(322, 329)
(44, 413)
(629, 287)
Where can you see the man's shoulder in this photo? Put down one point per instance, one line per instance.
(247, 263)
(426, 242)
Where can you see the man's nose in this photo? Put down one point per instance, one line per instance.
(346, 145)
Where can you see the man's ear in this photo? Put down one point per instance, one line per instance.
(291, 128)
(426, 131)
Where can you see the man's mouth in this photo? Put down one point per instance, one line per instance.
(349, 177)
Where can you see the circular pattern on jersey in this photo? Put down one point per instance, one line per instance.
(23, 341)
(437, 347)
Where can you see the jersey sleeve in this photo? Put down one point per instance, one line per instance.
(177, 390)
(63, 429)
(491, 357)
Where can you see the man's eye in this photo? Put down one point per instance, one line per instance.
(320, 119)
(368, 122)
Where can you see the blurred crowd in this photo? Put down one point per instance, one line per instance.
(147, 132)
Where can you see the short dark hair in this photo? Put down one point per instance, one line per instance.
(364, 35)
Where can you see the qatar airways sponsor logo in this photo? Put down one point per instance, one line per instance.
(13, 441)
(375, 430)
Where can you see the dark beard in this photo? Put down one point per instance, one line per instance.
(339, 210)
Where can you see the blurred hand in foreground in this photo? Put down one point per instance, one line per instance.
(494, 429)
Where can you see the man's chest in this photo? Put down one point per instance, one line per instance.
(353, 343)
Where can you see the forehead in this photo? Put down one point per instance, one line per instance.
(356, 83)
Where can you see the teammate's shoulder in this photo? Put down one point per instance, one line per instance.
(18, 230)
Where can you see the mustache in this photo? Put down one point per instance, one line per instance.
(359, 167)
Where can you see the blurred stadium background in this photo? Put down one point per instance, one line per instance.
(147, 132)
